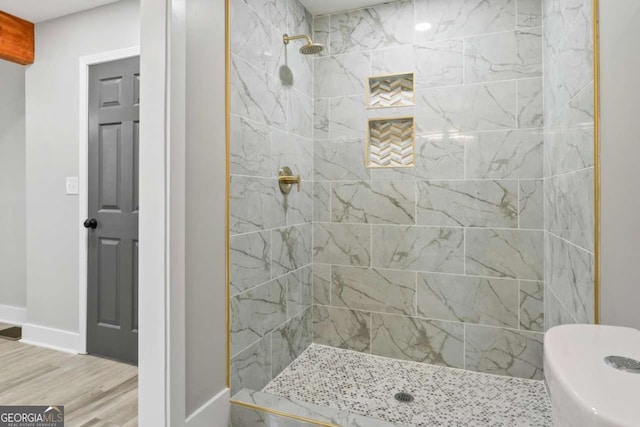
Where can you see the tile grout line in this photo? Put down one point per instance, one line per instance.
(514, 329)
(440, 273)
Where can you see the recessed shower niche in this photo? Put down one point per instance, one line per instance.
(390, 90)
(390, 143)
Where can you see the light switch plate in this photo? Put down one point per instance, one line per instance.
(72, 185)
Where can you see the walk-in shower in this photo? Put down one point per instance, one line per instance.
(445, 217)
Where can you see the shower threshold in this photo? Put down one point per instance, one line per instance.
(365, 386)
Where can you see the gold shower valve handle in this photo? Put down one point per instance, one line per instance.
(291, 180)
(286, 179)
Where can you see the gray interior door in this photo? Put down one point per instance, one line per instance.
(112, 297)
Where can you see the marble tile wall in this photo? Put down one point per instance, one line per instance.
(463, 260)
(441, 263)
(271, 234)
(569, 162)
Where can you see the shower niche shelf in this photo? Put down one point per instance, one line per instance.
(390, 90)
(390, 143)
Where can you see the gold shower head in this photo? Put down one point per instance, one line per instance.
(310, 48)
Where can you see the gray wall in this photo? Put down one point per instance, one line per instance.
(271, 127)
(619, 151)
(568, 147)
(52, 153)
(12, 186)
(206, 357)
(440, 263)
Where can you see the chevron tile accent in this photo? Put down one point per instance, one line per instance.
(391, 91)
(391, 143)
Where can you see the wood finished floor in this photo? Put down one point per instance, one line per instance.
(94, 391)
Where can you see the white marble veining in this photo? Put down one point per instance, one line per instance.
(457, 18)
(532, 306)
(321, 284)
(393, 60)
(322, 201)
(570, 215)
(345, 244)
(250, 148)
(290, 248)
(569, 273)
(504, 253)
(322, 32)
(256, 204)
(530, 103)
(256, 312)
(251, 368)
(421, 340)
(569, 160)
(341, 75)
(479, 107)
(504, 351)
(503, 56)
(468, 203)
(529, 13)
(386, 25)
(342, 328)
(348, 117)
(387, 291)
(340, 160)
(531, 204)
(250, 260)
(272, 125)
(439, 63)
(257, 95)
(275, 11)
(513, 154)
(555, 313)
(254, 39)
(568, 50)
(437, 249)
(468, 299)
(375, 202)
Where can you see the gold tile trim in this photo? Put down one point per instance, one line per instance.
(227, 95)
(281, 414)
(413, 141)
(596, 158)
(383, 76)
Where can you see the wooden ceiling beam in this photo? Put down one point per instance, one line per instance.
(16, 39)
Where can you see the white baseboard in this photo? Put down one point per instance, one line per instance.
(13, 315)
(214, 413)
(55, 339)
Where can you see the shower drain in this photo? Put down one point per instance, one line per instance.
(404, 397)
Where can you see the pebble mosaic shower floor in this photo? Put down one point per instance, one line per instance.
(365, 384)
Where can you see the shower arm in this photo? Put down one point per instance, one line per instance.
(287, 38)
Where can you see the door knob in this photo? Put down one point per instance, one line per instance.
(90, 223)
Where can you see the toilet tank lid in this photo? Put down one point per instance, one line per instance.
(576, 356)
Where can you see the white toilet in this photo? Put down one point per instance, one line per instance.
(586, 386)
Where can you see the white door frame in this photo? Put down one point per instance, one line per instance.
(83, 175)
(161, 388)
